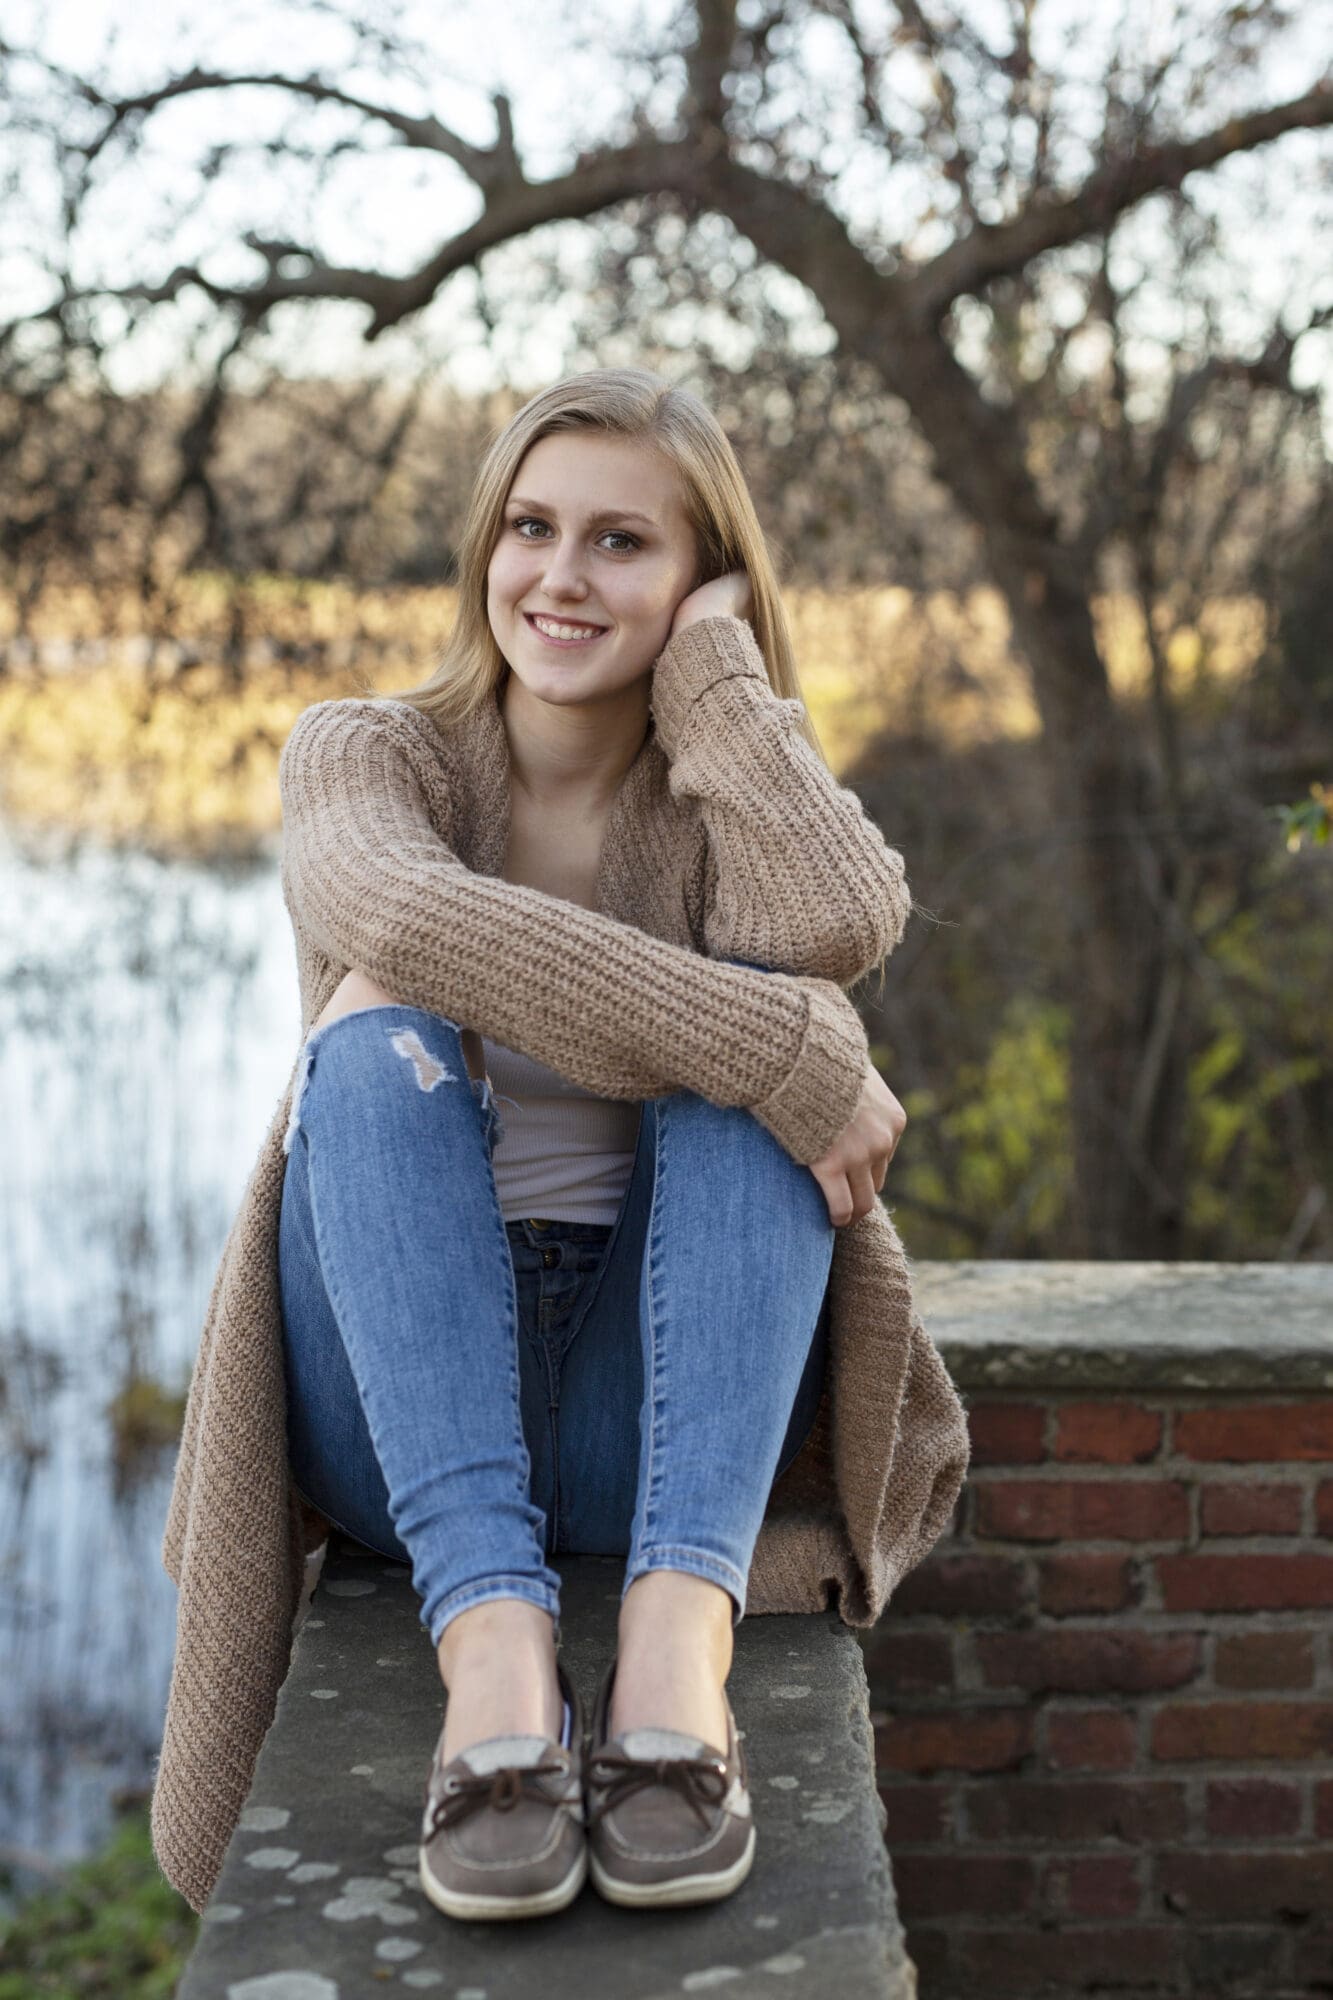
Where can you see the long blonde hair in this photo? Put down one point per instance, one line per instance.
(629, 403)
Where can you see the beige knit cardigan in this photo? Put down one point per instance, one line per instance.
(729, 838)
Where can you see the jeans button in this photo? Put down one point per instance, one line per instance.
(550, 1257)
(535, 1223)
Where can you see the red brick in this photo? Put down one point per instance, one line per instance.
(1259, 1432)
(1323, 1809)
(1090, 1739)
(953, 1885)
(1099, 1661)
(1083, 1582)
(929, 1951)
(960, 1586)
(1293, 1885)
(900, 1663)
(1027, 1963)
(1252, 1808)
(1311, 1956)
(917, 1812)
(1107, 1433)
(959, 1739)
(1150, 1810)
(1230, 1960)
(1091, 1885)
(1323, 1507)
(1245, 1582)
(1249, 1510)
(1006, 1433)
(1264, 1660)
(1243, 1730)
(1083, 1510)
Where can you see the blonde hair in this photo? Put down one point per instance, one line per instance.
(629, 403)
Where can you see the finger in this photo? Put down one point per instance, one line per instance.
(837, 1194)
(861, 1182)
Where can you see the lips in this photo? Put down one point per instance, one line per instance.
(586, 633)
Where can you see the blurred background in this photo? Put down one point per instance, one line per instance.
(1019, 313)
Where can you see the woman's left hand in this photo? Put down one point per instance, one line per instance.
(726, 596)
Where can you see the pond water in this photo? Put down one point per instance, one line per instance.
(148, 1022)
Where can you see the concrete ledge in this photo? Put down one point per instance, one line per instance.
(1021, 1324)
(318, 1897)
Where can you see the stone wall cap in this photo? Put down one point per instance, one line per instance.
(1028, 1324)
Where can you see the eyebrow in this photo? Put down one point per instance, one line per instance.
(602, 514)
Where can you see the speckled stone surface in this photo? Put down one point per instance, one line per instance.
(318, 1897)
(1064, 1325)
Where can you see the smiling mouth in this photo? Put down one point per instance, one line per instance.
(563, 631)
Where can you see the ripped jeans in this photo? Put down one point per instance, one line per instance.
(468, 1396)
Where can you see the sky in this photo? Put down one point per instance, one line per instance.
(390, 206)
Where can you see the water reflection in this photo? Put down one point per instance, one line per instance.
(148, 1020)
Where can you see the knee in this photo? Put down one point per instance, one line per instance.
(355, 992)
(359, 1052)
(367, 1046)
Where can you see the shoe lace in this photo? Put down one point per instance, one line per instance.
(701, 1781)
(501, 1788)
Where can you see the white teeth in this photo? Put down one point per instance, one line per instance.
(566, 631)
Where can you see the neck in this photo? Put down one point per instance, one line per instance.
(576, 755)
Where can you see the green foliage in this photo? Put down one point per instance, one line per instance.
(115, 1929)
(997, 1146)
(1263, 1064)
(1309, 819)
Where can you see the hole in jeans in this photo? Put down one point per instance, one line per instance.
(430, 1070)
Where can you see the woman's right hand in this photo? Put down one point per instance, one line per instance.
(851, 1173)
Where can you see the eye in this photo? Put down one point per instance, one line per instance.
(621, 535)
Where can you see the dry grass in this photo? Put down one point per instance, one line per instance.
(103, 732)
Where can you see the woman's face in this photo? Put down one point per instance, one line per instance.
(595, 537)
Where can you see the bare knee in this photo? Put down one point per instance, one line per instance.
(356, 990)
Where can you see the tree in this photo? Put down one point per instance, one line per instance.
(1035, 159)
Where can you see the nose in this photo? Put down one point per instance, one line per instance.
(563, 577)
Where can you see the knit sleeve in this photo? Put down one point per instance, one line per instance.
(623, 1013)
(799, 876)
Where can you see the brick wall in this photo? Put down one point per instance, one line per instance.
(1104, 1705)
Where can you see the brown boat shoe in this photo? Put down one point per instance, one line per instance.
(669, 1816)
(502, 1831)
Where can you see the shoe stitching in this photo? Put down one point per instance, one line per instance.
(561, 1816)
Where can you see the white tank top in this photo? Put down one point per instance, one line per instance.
(564, 1153)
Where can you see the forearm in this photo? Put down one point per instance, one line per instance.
(799, 875)
(617, 1010)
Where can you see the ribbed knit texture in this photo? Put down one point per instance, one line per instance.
(728, 838)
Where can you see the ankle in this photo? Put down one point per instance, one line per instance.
(506, 1629)
(671, 1616)
(673, 1656)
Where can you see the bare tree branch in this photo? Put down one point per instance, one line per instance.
(996, 250)
(958, 165)
(708, 63)
(487, 166)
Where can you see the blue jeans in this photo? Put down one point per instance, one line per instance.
(468, 1396)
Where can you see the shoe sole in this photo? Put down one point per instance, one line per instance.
(681, 1889)
(491, 1909)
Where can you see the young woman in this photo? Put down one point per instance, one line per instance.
(595, 870)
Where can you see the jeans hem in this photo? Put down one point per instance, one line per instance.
(466, 1595)
(695, 1563)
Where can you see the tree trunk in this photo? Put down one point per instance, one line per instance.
(1126, 986)
(1127, 1004)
